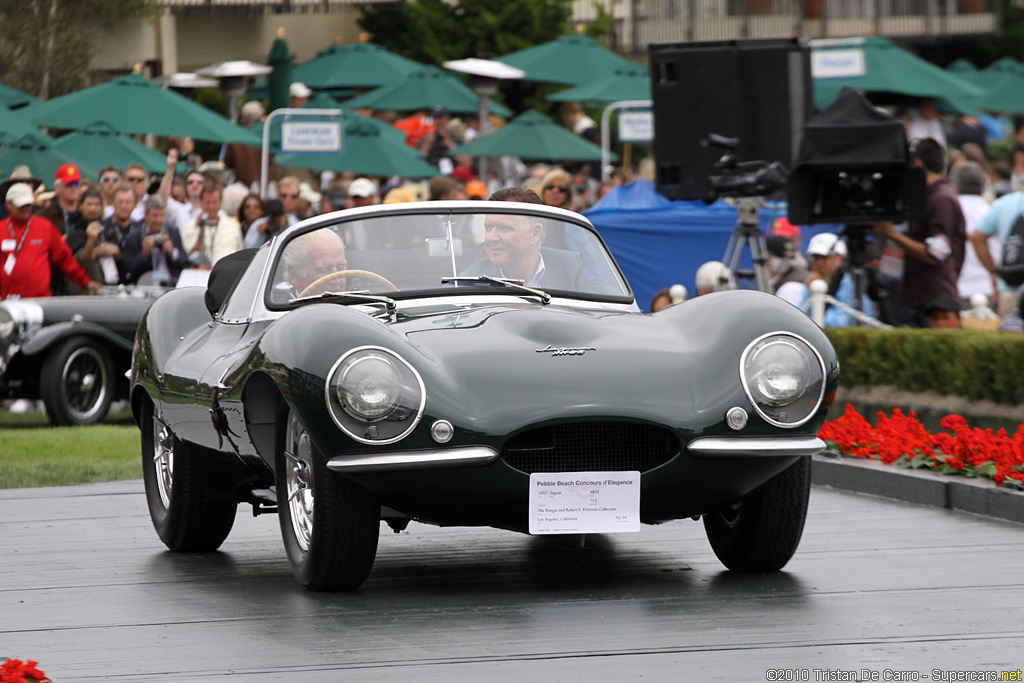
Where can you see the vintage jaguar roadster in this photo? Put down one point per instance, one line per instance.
(470, 363)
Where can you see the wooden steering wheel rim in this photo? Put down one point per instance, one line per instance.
(348, 273)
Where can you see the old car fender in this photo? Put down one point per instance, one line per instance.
(47, 337)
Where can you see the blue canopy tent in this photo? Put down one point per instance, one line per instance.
(659, 243)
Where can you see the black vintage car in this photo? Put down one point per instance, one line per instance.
(470, 363)
(72, 351)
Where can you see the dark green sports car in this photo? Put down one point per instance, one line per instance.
(470, 363)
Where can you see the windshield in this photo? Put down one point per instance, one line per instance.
(394, 253)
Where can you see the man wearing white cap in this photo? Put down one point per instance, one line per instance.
(300, 94)
(28, 245)
(827, 254)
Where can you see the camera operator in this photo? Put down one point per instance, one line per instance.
(935, 247)
(271, 223)
(154, 247)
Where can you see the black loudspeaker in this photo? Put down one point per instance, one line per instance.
(759, 91)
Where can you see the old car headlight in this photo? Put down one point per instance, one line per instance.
(784, 378)
(374, 395)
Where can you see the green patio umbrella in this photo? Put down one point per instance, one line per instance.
(426, 87)
(1006, 94)
(103, 146)
(12, 98)
(890, 74)
(353, 66)
(962, 67)
(574, 60)
(13, 125)
(135, 105)
(532, 136)
(37, 151)
(367, 151)
(627, 83)
(280, 58)
(996, 71)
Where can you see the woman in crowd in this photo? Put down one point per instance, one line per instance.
(250, 210)
(556, 189)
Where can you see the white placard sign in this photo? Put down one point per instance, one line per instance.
(311, 136)
(838, 63)
(584, 502)
(636, 126)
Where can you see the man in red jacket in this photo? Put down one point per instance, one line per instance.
(28, 245)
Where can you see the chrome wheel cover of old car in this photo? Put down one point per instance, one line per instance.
(163, 460)
(299, 483)
(83, 383)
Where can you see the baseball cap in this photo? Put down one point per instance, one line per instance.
(826, 244)
(476, 189)
(298, 89)
(946, 302)
(362, 187)
(20, 194)
(439, 111)
(714, 276)
(69, 173)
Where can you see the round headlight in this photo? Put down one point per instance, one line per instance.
(370, 388)
(374, 395)
(7, 327)
(784, 378)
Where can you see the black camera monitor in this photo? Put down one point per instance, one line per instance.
(758, 91)
(854, 166)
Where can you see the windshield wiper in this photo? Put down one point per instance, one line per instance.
(515, 284)
(361, 294)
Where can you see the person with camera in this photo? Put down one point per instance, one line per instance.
(154, 247)
(934, 247)
(212, 234)
(263, 229)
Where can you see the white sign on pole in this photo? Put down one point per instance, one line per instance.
(838, 63)
(636, 126)
(311, 137)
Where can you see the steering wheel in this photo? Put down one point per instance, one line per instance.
(348, 273)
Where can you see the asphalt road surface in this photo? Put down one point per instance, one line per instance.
(883, 589)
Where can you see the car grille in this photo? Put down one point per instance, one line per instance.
(591, 447)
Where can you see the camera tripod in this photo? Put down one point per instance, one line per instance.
(748, 234)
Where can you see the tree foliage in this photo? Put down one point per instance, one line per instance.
(46, 44)
(433, 31)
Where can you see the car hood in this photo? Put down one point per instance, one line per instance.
(497, 366)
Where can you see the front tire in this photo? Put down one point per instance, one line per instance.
(77, 382)
(177, 481)
(761, 532)
(329, 525)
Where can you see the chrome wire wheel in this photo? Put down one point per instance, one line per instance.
(299, 483)
(83, 383)
(163, 460)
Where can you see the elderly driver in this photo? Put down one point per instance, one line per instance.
(312, 256)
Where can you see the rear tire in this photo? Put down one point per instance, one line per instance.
(329, 525)
(77, 382)
(761, 532)
(177, 480)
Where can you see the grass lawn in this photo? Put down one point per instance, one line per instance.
(34, 454)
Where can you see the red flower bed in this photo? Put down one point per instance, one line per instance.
(902, 440)
(17, 671)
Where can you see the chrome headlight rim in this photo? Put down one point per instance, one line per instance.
(348, 422)
(820, 365)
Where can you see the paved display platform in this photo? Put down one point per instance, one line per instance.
(877, 586)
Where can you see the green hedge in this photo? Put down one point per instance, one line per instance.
(970, 364)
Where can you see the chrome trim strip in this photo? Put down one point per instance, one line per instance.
(717, 447)
(414, 460)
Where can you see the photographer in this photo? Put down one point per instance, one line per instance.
(154, 247)
(263, 229)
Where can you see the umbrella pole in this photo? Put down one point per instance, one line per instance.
(483, 107)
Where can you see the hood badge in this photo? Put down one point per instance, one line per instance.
(566, 351)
